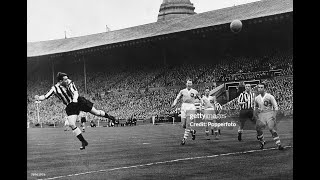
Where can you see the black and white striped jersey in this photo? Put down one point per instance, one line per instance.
(65, 94)
(247, 97)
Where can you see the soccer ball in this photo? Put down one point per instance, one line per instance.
(236, 26)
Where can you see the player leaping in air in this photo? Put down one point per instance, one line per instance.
(189, 97)
(67, 92)
(265, 111)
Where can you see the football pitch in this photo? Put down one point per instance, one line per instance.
(154, 152)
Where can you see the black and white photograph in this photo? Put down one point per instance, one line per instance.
(159, 89)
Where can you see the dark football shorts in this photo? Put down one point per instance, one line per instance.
(82, 105)
(245, 114)
(83, 119)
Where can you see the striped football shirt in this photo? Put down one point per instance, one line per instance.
(249, 97)
(65, 94)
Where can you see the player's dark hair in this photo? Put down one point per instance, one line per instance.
(207, 87)
(83, 118)
(264, 85)
(60, 76)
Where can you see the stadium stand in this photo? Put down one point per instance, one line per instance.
(116, 88)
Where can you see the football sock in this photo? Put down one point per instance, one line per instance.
(216, 132)
(207, 132)
(260, 138)
(276, 138)
(186, 131)
(207, 129)
(78, 134)
(107, 116)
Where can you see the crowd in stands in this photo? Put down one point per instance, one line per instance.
(115, 89)
(281, 88)
(228, 69)
(139, 76)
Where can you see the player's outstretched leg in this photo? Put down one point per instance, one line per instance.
(101, 113)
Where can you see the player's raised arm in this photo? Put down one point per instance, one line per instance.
(177, 98)
(46, 96)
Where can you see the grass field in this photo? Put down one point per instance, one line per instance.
(154, 152)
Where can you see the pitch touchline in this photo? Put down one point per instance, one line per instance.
(162, 162)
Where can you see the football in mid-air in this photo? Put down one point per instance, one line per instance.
(236, 26)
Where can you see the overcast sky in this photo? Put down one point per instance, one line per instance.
(49, 19)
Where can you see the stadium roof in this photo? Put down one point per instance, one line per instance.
(211, 18)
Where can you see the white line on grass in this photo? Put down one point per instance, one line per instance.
(162, 162)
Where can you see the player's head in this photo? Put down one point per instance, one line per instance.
(247, 87)
(189, 83)
(261, 88)
(207, 91)
(62, 78)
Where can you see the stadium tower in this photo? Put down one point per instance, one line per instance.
(171, 9)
